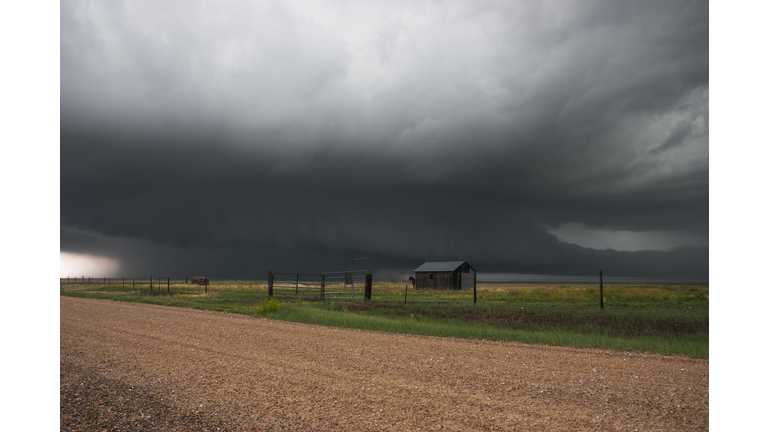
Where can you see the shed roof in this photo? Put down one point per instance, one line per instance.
(440, 266)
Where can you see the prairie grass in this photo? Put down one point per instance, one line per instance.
(693, 345)
(659, 318)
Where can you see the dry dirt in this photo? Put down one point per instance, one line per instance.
(142, 367)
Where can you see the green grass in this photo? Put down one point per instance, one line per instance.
(665, 319)
(693, 345)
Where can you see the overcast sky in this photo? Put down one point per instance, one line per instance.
(554, 138)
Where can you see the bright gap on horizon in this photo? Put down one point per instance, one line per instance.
(628, 241)
(79, 265)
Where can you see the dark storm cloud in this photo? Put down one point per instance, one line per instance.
(410, 132)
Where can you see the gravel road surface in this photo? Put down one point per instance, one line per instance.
(131, 366)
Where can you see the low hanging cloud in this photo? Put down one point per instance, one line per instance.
(629, 241)
(411, 131)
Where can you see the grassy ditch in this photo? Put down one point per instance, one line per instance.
(666, 319)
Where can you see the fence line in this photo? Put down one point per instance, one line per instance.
(86, 280)
(115, 280)
(153, 282)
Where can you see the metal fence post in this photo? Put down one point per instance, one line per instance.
(169, 285)
(150, 284)
(270, 278)
(322, 287)
(297, 284)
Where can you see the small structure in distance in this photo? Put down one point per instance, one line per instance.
(446, 275)
(200, 280)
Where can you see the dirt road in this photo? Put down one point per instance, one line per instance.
(144, 367)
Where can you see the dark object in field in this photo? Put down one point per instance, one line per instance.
(412, 280)
(200, 280)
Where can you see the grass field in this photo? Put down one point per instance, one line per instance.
(659, 318)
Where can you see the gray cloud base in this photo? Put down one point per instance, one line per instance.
(462, 138)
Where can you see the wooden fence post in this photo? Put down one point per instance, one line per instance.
(601, 289)
(270, 278)
(368, 286)
(169, 285)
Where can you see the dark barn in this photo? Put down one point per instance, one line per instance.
(446, 275)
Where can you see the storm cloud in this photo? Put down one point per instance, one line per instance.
(297, 134)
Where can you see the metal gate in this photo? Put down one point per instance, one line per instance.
(296, 284)
(329, 285)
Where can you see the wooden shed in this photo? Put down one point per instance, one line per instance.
(446, 275)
